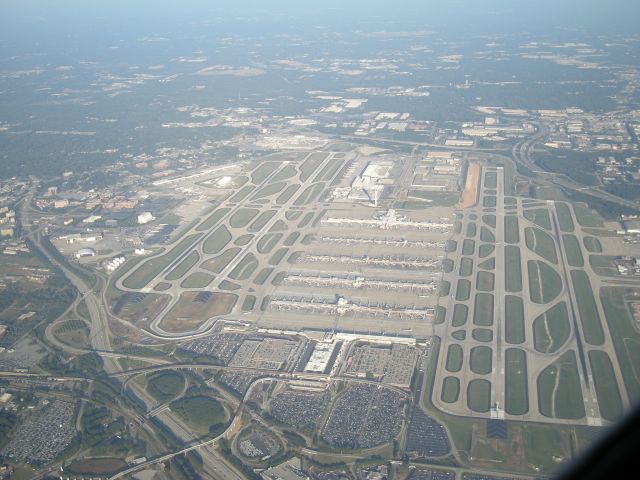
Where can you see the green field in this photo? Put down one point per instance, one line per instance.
(487, 235)
(262, 276)
(197, 280)
(92, 467)
(606, 385)
(263, 170)
(278, 226)
(463, 291)
(245, 268)
(184, 266)
(489, 201)
(559, 390)
(531, 202)
(329, 170)
(310, 194)
(268, 241)
(603, 264)
(203, 414)
(285, 196)
(217, 264)
(491, 180)
(546, 385)
(489, 264)
(591, 323)
(214, 218)
(625, 337)
(277, 257)
(466, 267)
(564, 217)
(514, 320)
(269, 190)
(73, 332)
(544, 443)
(551, 329)
(305, 220)
(450, 389)
(482, 334)
(455, 356)
(291, 239)
(451, 246)
(242, 193)
(512, 269)
(511, 232)
(468, 247)
(567, 404)
(545, 283)
(472, 229)
(318, 218)
(242, 240)
(516, 390)
(485, 281)
(164, 386)
(151, 268)
(261, 221)
(483, 310)
(441, 315)
(285, 173)
(294, 257)
(216, 242)
(242, 217)
(542, 243)
(489, 220)
(480, 360)
(310, 165)
(459, 335)
(447, 265)
(460, 314)
(229, 286)
(485, 250)
(248, 303)
(573, 250)
(586, 217)
(292, 214)
(444, 288)
(479, 395)
(539, 216)
(592, 244)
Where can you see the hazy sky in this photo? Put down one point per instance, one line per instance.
(42, 23)
(606, 13)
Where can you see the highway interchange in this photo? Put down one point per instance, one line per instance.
(93, 296)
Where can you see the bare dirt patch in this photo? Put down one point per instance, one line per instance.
(470, 194)
(194, 308)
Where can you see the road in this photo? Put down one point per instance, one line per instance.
(248, 250)
(100, 338)
(521, 153)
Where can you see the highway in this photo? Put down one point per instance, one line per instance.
(99, 332)
(225, 471)
(521, 153)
